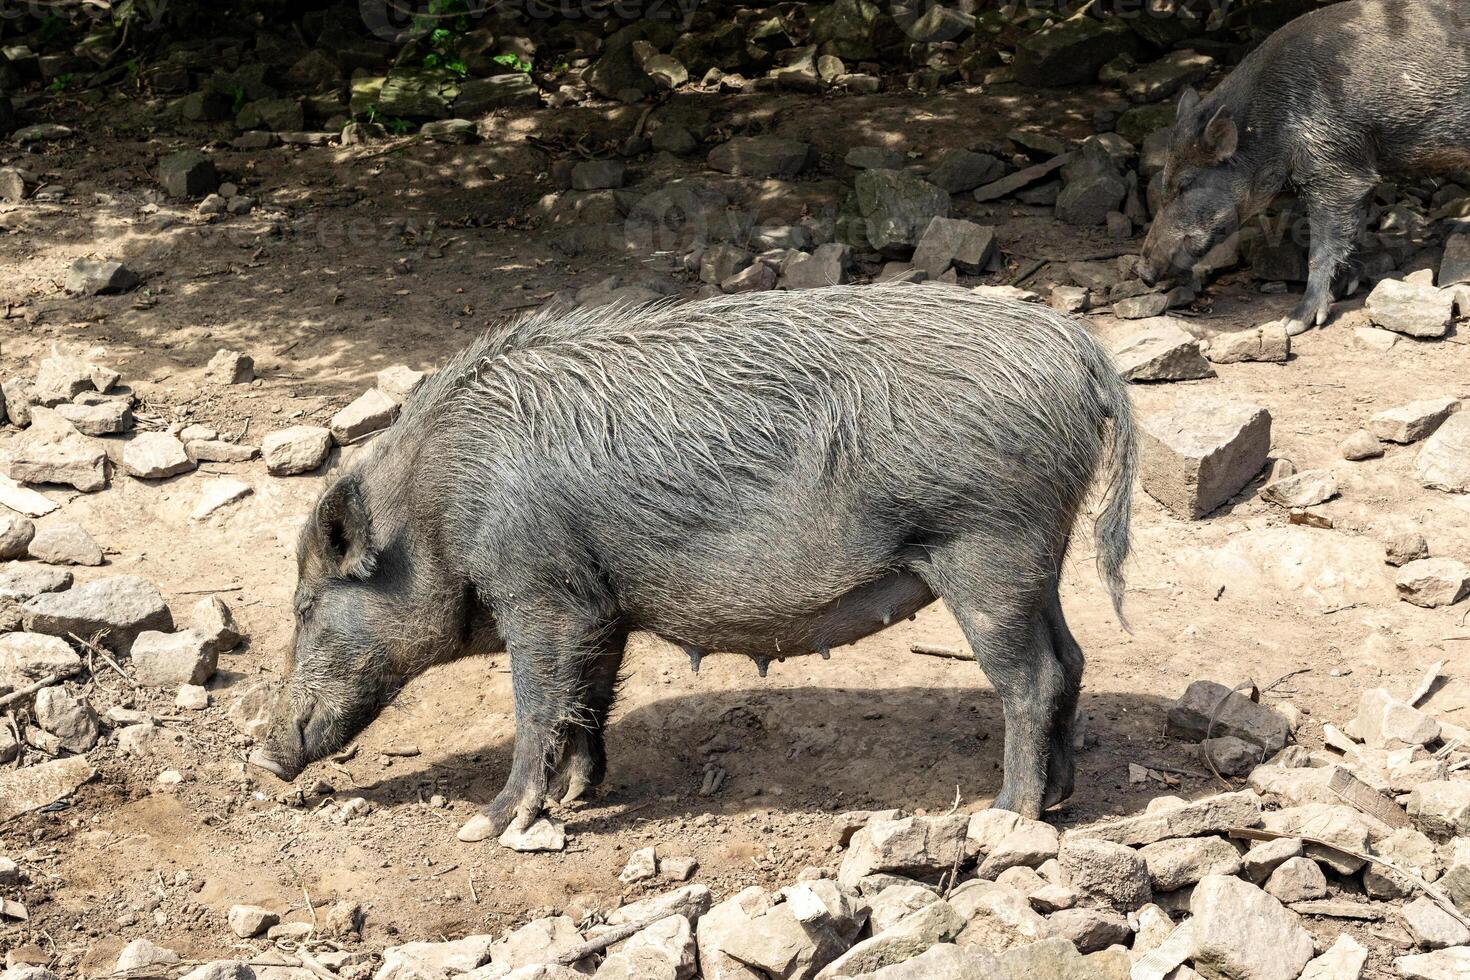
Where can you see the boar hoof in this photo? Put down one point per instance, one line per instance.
(477, 828)
(762, 664)
(1295, 327)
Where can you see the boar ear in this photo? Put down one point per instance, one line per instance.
(345, 529)
(1188, 102)
(1220, 136)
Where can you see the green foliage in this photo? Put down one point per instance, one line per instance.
(237, 92)
(61, 82)
(513, 61)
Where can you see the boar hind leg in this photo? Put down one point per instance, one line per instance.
(1060, 767)
(583, 762)
(548, 650)
(1336, 212)
(1008, 630)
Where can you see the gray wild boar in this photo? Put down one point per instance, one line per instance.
(1329, 103)
(767, 474)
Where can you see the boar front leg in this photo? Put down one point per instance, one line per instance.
(548, 651)
(1335, 209)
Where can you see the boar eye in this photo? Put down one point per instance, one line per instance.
(303, 609)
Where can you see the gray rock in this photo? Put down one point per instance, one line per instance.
(721, 261)
(957, 171)
(1339, 825)
(761, 156)
(1305, 489)
(187, 174)
(897, 207)
(1415, 309)
(1361, 445)
(1444, 462)
(412, 93)
(1442, 807)
(53, 451)
(28, 657)
(73, 721)
(230, 367)
(907, 846)
(284, 116)
(107, 417)
(1432, 927)
(60, 378)
(369, 412)
(544, 834)
(122, 606)
(1092, 186)
(1174, 864)
(95, 277)
(873, 158)
(1070, 51)
(1233, 714)
(1194, 459)
(756, 277)
(591, 175)
(1090, 929)
(1144, 306)
(1164, 78)
(299, 449)
(1158, 350)
(478, 96)
(414, 960)
(1241, 932)
(211, 619)
(400, 381)
(1031, 844)
(1416, 420)
(917, 932)
(1433, 582)
(1107, 874)
(1442, 964)
(140, 954)
(1297, 879)
(155, 456)
(828, 265)
(1343, 960)
(25, 581)
(221, 970)
(955, 243)
(1230, 755)
(169, 660)
(65, 543)
(215, 451)
(1265, 857)
(1211, 815)
(452, 131)
(249, 921)
(1269, 342)
(16, 533)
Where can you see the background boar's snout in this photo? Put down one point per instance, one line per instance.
(262, 760)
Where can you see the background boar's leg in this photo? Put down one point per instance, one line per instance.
(1336, 211)
(584, 753)
(549, 652)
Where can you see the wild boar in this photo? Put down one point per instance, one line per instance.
(767, 474)
(1329, 103)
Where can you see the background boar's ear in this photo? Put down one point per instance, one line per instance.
(345, 529)
(1220, 137)
(1188, 102)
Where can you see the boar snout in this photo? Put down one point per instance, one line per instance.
(261, 760)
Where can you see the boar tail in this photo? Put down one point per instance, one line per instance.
(1111, 532)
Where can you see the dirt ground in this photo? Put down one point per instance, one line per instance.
(358, 258)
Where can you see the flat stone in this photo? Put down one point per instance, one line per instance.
(1269, 343)
(1031, 844)
(1414, 309)
(537, 941)
(1442, 964)
(1444, 461)
(1265, 857)
(121, 607)
(155, 456)
(1196, 458)
(53, 451)
(1157, 349)
(1233, 714)
(592, 175)
(828, 265)
(544, 834)
(412, 961)
(24, 790)
(1011, 183)
(216, 494)
(1338, 825)
(23, 500)
(299, 449)
(1242, 932)
(1231, 756)
(1090, 930)
(691, 901)
(911, 846)
(218, 451)
(249, 921)
(369, 412)
(1343, 960)
(192, 697)
(1433, 582)
(1385, 722)
(73, 721)
(761, 156)
(97, 277)
(917, 932)
(400, 381)
(957, 171)
(25, 581)
(1416, 420)
(1442, 807)
(1164, 78)
(1174, 864)
(1432, 927)
(169, 660)
(1305, 489)
(1147, 306)
(1107, 874)
(65, 543)
(103, 418)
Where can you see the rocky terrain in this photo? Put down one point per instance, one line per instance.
(232, 248)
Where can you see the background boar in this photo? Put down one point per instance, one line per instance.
(1328, 103)
(768, 474)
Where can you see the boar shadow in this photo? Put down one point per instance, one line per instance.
(806, 748)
